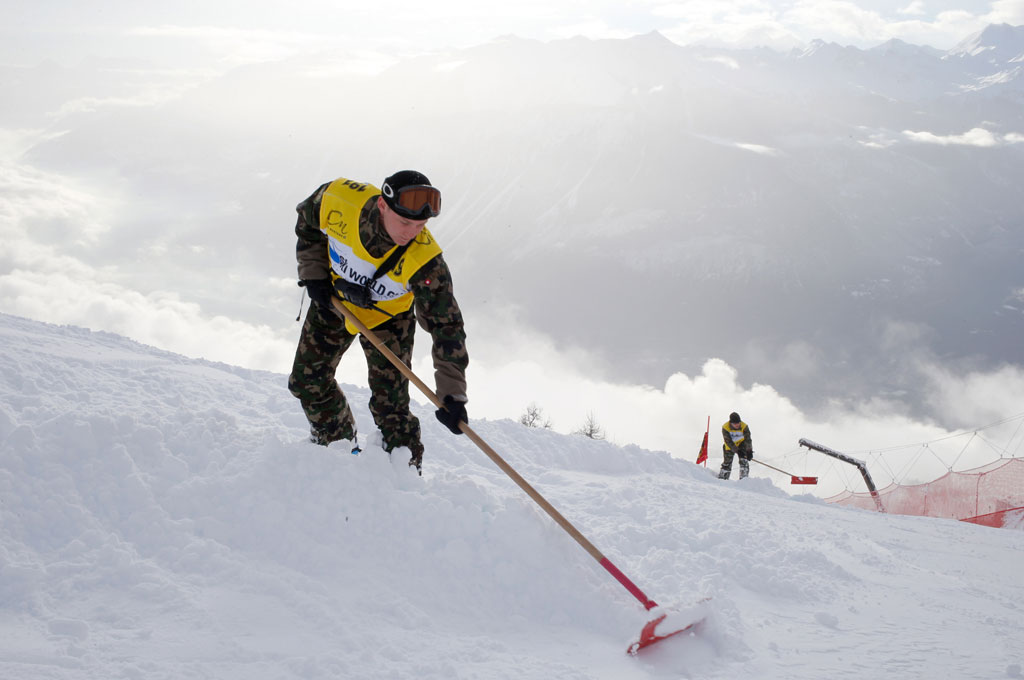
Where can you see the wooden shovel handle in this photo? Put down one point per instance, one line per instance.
(493, 455)
(794, 479)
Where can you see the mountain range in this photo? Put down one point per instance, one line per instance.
(824, 219)
(820, 216)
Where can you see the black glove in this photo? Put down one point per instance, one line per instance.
(352, 292)
(453, 412)
(319, 291)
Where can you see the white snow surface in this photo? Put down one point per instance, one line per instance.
(162, 517)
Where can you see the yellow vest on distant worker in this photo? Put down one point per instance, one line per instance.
(737, 436)
(340, 208)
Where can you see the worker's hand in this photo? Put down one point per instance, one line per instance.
(319, 291)
(452, 413)
(354, 293)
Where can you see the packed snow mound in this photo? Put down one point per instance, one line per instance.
(162, 517)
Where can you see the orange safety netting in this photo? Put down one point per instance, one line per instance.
(992, 495)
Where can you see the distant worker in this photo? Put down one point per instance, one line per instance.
(737, 442)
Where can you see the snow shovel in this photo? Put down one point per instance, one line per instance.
(672, 622)
(793, 479)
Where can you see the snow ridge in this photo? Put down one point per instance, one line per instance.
(164, 517)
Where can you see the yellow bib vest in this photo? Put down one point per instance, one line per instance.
(340, 207)
(737, 436)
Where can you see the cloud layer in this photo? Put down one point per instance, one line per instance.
(157, 203)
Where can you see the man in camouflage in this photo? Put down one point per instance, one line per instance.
(390, 273)
(737, 442)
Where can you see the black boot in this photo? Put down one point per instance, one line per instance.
(416, 460)
(325, 434)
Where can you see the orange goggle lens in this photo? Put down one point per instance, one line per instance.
(411, 201)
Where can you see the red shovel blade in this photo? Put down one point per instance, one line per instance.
(804, 480)
(679, 622)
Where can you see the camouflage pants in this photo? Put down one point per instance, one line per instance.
(744, 454)
(322, 343)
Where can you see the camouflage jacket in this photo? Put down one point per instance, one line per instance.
(434, 304)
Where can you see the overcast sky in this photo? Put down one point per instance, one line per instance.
(150, 40)
(214, 34)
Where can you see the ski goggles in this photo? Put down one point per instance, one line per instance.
(416, 201)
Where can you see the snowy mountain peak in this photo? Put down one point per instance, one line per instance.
(652, 37)
(996, 43)
(820, 50)
(818, 46)
(897, 47)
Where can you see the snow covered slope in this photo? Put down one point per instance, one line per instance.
(162, 517)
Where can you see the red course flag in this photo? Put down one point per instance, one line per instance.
(702, 457)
